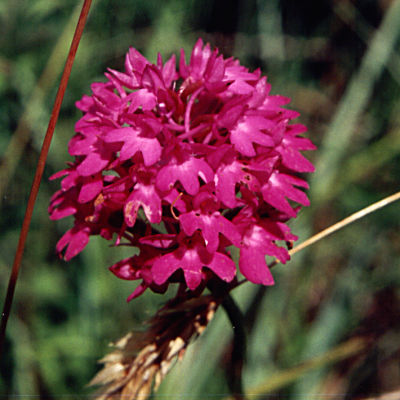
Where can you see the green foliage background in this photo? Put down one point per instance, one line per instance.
(339, 62)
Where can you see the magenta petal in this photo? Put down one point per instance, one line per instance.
(192, 265)
(84, 103)
(259, 241)
(138, 291)
(225, 187)
(135, 62)
(228, 176)
(229, 116)
(189, 223)
(93, 163)
(199, 58)
(142, 99)
(83, 142)
(75, 240)
(59, 174)
(62, 204)
(253, 266)
(223, 266)
(90, 189)
(259, 236)
(134, 142)
(280, 186)
(296, 162)
(186, 258)
(63, 211)
(187, 173)
(294, 193)
(162, 241)
(183, 68)
(248, 131)
(210, 232)
(241, 87)
(70, 181)
(152, 79)
(211, 226)
(164, 267)
(169, 71)
(276, 198)
(129, 81)
(192, 221)
(291, 156)
(193, 277)
(123, 269)
(144, 196)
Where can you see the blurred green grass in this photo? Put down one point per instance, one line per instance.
(338, 61)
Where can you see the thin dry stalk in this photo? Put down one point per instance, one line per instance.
(341, 224)
(344, 222)
(39, 170)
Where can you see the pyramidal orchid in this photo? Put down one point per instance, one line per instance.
(184, 163)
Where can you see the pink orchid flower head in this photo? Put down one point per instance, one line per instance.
(183, 163)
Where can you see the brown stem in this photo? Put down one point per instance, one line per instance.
(39, 170)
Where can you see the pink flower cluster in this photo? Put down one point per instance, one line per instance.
(182, 164)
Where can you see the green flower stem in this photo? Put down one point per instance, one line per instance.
(238, 351)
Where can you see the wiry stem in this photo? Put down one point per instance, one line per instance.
(341, 224)
(347, 221)
(39, 170)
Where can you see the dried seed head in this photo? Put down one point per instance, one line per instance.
(140, 362)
